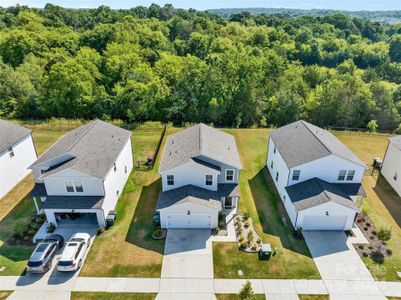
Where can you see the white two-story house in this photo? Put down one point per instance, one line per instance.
(199, 170)
(17, 153)
(317, 177)
(83, 173)
(391, 168)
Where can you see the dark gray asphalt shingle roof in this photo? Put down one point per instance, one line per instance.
(197, 195)
(10, 134)
(396, 140)
(93, 148)
(73, 202)
(315, 191)
(39, 190)
(301, 142)
(199, 140)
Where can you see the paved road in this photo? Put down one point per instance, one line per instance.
(335, 256)
(188, 254)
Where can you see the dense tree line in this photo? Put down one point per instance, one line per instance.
(166, 64)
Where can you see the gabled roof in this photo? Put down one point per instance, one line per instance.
(301, 142)
(94, 147)
(197, 195)
(10, 134)
(315, 191)
(200, 140)
(396, 141)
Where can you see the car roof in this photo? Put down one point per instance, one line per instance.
(70, 250)
(39, 251)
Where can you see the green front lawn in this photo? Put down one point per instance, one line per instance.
(382, 203)
(18, 206)
(127, 249)
(4, 294)
(313, 297)
(111, 296)
(236, 297)
(259, 198)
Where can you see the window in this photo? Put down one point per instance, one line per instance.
(78, 187)
(295, 174)
(209, 179)
(275, 149)
(271, 165)
(395, 176)
(79, 250)
(341, 175)
(229, 175)
(11, 152)
(117, 192)
(115, 167)
(170, 179)
(276, 176)
(69, 186)
(350, 175)
(125, 169)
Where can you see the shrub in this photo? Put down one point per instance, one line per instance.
(389, 252)
(384, 234)
(241, 238)
(364, 254)
(367, 224)
(100, 230)
(250, 235)
(365, 228)
(374, 232)
(26, 238)
(372, 126)
(246, 292)
(254, 246)
(246, 215)
(20, 228)
(243, 244)
(377, 257)
(360, 247)
(51, 228)
(258, 241)
(372, 237)
(247, 223)
(364, 212)
(398, 130)
(31, 231)
(370, 247)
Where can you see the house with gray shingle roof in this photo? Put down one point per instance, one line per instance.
(318, 178)
(17, 152)
(391, 168)
(83, 173)
(199, 169)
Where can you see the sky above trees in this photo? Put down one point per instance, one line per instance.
(209, 4)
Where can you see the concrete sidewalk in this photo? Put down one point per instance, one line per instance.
(346, 289)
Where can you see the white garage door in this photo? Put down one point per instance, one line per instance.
(194, 220)
(324, 222)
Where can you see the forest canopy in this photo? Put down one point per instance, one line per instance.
(175, 65)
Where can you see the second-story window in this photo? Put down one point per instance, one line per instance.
(277, 177)
(341, 175)
(69, 186)
(209, 179)
(115, 167)
(296, 174)
(125, 170)
(79, 187)
(170, 179)
(11, 152)
(350, 175)
(271, 165)
(395, 176)
(275, 149)
(229, 175)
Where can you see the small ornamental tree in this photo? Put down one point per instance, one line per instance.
(372, 126)
(246, 292)
(384, 234)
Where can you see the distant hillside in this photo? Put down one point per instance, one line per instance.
(382, 16)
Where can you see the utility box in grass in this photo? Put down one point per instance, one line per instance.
(265, 252)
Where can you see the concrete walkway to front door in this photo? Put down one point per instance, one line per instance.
(335, 256)
(188, 254)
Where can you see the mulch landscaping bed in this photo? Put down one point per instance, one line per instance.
(376, 249)
(24, 232)
(247, 238)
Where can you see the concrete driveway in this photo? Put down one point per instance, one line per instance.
(188, 254)
(48, 285)
(335, 256)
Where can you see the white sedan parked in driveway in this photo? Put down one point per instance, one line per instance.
(74, 252)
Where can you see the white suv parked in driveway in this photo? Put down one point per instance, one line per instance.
(74, 252)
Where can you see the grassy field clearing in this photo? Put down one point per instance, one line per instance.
(111, 296)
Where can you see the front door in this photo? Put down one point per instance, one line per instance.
(228, 202)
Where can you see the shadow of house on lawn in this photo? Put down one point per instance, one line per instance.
(272, 214)
(390, 199)
(142, 226)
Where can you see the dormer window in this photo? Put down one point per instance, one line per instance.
(115, 167)
(11, 152)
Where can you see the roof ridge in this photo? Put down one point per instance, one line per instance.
(307, 127)
(91, 124)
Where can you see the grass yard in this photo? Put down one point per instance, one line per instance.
(259, 198)
(127, 249)
(18, 206)
(382, 203)
(4, 294)
(236, 297)
(313, 297)
(111, 296)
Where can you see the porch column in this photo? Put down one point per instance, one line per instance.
(51, 218)
(36, 205)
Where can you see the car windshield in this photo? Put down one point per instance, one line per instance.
(65, 263)
(77, 240)
(41, 247)
(34, 264)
